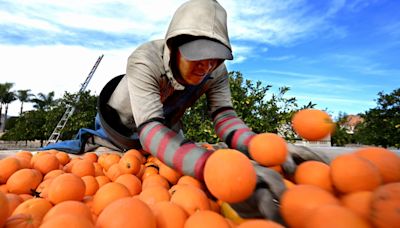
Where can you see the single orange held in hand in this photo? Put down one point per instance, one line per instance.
(312, 124)
(268, 149)
(230, 175)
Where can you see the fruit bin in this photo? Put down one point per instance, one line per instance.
(352, 205)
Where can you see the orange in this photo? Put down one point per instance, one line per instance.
(154, 194)
(299, 201)
(13, 201)
(113, 172)
(46, 163)
(147, 171)
(91, 185)
(259, 223)
(68, 167)
(102, 180)
(129, 164)
(288, 184)
(312, 124)
(63, 157)
(386, 206)
(155, 180)
(3, 209)
(169, 214)
(24, 161)
(131, 182)
(23, 181)
(22, 220)
(36, 207)
(229, 175)
(25, 197)
(358, 202)
(83, 168)
(126, 212)
(137, 153)
(68, 220)
(387, 162)
(190, 181)
(169, 173)
(107, 194)
(8, 166)
(3, 188)
(43, 188)
(65, 187)
(352, 173)
(268, 149)
(190, 198)
(206, 218)
(90, 156)
(24, 153)
(314, 173)
(53, 173)
(110, 159)
(69, 207)
(333, 216)
(98, 170)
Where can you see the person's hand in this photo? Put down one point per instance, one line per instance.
(298, 154)
(264, 202)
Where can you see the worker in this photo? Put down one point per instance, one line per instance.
(143, 108)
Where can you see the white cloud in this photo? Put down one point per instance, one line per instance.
(58, 68)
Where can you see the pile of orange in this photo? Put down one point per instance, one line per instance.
(134, 189)
(357, 189)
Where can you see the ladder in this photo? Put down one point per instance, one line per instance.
(71, 108)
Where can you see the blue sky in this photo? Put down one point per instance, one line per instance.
(337, 54)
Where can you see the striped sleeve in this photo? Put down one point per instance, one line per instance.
(232, 130)
(172, 149)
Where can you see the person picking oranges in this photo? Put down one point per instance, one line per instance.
(143, 108)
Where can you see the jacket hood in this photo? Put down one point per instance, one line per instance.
(206, 18)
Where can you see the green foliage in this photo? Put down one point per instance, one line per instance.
(252, 104)
(39, 124)
(381, 126)
(83, 117)
(29, 126)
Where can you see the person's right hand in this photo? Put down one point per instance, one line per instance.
(264, 202)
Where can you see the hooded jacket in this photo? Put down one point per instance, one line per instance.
(150, 91)
(150, 102)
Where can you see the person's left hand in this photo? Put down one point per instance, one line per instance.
(298, 154)
(264, 202)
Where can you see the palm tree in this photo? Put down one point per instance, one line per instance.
(10, 97)
(6, 97)
(43, 101)
(24, 96)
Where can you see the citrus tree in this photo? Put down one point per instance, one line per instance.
(260, 109)
(39, 124)
(381, 124)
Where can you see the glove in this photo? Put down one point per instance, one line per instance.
(298, 154)
(264, 202)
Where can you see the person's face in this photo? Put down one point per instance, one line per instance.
(193, 72)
